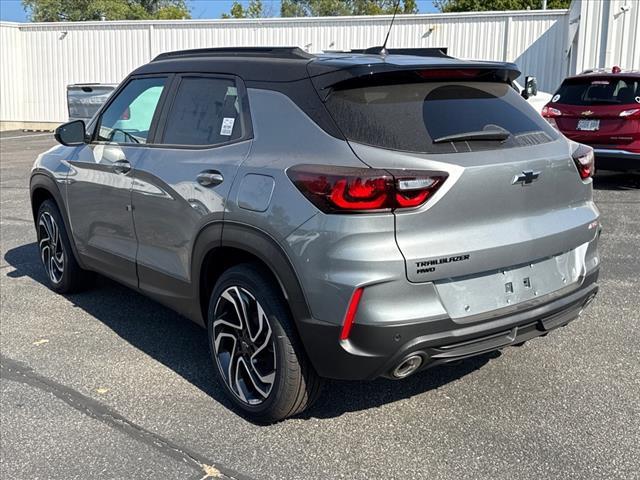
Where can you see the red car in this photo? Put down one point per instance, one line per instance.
(601, 109)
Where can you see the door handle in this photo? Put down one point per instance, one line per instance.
(121, 166)
(209, 178)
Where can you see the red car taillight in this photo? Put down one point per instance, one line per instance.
(550, 114)
(364, 190)
(584, 159)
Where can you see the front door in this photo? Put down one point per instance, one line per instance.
(182, 183)
(101, 177)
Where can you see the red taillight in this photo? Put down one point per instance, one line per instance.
(550, 112)
(359, 194)
(364, 190)
(351, 313)
(584, 159)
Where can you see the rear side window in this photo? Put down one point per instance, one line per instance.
(205, 111)
(598, 91)
(418, 117)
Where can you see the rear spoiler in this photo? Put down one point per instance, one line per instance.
(383, 72)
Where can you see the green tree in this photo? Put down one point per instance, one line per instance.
(325, 8)
(496, 5)
(254, 9)
(84, 10)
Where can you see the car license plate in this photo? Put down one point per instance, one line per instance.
(476, 294)
(588, 125)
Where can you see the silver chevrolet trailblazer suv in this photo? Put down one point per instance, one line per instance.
(345, 215)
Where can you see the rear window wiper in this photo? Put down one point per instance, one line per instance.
(486, 135)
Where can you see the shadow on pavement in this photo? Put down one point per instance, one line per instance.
(182, 346)
(339, 397)
(616, 181)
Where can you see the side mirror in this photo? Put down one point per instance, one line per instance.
(530, 87)
(71, 134)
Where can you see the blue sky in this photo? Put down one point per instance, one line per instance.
(11, 10)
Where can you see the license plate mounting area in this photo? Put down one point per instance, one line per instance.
(588, 124)
(477, 294)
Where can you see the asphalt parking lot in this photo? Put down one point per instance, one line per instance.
(108, 384)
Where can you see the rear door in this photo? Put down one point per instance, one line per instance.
(506, 202)
(183, 181)
(100, 179)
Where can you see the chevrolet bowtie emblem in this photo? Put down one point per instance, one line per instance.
(586, 113)
(527, 177)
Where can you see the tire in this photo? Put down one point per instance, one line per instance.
(63, 274)
(259, 359)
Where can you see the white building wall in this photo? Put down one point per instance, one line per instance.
(53, 59)
(623, 46)
(11, 68)
(537, 44)
(38, 60)
(609, 34)
(41, 59)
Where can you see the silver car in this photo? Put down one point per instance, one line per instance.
(85, 99)
(342, 216)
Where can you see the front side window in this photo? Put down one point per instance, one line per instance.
(128, 118)
(205, 111)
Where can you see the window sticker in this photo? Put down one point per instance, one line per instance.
(555, 98)
(638, 99)
(227, 126)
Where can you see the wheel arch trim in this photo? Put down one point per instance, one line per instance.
(259, 244)
(44, 181)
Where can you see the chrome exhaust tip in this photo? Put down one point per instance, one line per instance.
(407, 366)
(589, 300)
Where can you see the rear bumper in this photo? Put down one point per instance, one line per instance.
(373, 351)
(616, 160)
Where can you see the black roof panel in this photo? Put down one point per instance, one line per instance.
(286, 64)
(248, 68)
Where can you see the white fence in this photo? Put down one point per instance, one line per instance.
(608, 34)
(38, 60)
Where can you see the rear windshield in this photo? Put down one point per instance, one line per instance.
(419, 117)
(598, 91)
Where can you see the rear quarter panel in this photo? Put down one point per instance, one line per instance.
(330, 253)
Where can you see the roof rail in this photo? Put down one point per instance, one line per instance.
(271, 52)
(419, 52)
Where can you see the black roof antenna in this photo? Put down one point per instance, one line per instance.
(383, 49)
